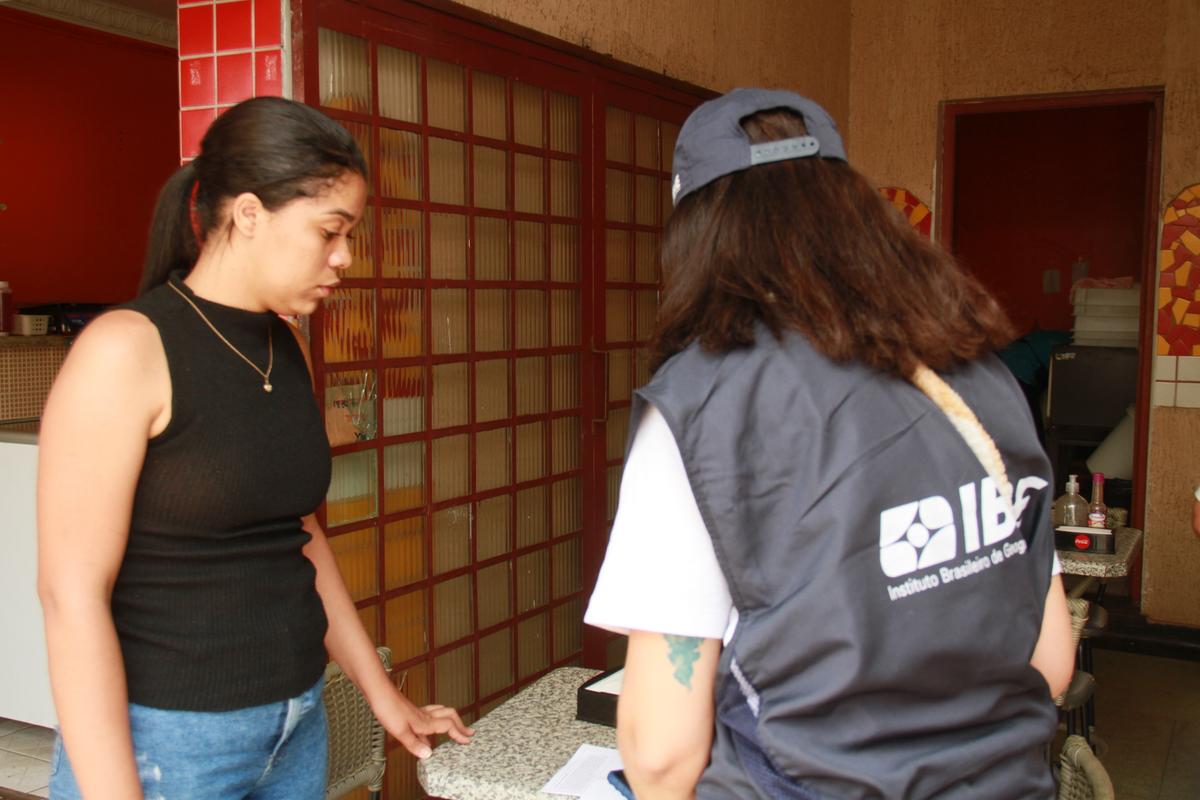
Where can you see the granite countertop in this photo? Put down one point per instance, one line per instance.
(518, 746)
(1103, 565)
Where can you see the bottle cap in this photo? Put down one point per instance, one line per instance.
(1072, 483)
(1097, 477)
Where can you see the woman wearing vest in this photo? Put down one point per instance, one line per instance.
(832, 552)
(191, 598)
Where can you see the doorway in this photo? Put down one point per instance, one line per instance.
(1037, 194)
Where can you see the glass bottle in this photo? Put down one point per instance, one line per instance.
(1097, 511)
(1071, 509)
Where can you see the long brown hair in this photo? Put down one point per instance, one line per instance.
(809, 245)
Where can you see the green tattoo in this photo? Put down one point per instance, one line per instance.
(684, 651)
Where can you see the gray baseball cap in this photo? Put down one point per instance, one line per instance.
(713, 143)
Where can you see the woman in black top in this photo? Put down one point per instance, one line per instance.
(185, 580)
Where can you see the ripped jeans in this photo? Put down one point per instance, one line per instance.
(271, 752)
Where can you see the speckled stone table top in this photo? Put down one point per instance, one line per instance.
(1102, 565)
(518, 746)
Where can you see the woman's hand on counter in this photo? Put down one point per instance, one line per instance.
(412, 726)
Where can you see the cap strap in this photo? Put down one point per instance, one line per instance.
(784, 149)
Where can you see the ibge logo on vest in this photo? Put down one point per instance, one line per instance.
(923, 537)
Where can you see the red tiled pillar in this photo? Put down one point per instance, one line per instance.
(229, 50)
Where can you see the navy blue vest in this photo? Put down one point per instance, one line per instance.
(888, 603)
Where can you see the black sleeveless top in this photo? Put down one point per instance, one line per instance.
(215, 605)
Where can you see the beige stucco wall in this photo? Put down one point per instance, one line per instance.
(717, 44)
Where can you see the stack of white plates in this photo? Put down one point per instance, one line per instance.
(1107, 317)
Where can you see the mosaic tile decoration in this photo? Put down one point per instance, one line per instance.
(1179, 277)
(911, 207)
(27, 368)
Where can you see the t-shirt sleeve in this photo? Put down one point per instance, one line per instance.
(660, 572)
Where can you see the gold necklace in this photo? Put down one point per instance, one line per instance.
(266, 376)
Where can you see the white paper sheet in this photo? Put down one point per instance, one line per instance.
(586, 773)
(610, 685)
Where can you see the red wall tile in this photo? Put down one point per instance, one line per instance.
(195, 30)
(233, 26)
(235, 77)
(268, 74)
(192, 125)
(266, 23)
(196, 86)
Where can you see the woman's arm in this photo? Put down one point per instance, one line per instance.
(353, 650)
(1054, 655)
(111, 396)
(665, 713)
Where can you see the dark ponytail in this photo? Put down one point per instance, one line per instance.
(276, 149)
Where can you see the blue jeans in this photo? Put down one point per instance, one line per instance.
(271, 752)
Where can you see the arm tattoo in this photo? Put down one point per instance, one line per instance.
(683, 652)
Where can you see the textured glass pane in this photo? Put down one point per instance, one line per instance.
(615, 433)
(369, 617)
(401, 326)
(403, 552)
(495, 657)
(352, 489)
(451, 467)
(531, 250)
(531, 451)
(403, 238)
(564, 123)
(564, 253)
(531, 385)
(488, 106)
(616, 135)
(357, 557)
(564, 316)
(493, 459)
(533, 580)
(647, 257)
(647, 200)
(529, 194)
(565, 447)
(362, 247)
(646, 141)
(567, 506)
(564, 188)
(344, 72)
(612, 491)
(451, 395)
(451, 609)
(491, 320)
(495, 594)
(449, 316)
(407, 625)
(564, 382)
(641, 367)
(618, 199)
(448, 246)
(617, 256)
(491, 390)
(620, 371)
(527, 114)
(403, 401)
(668, 133)
(399, 84)
(454, 677)
(451, 538)
(447, 171)
(404, 476)
(491, 249)
(567, 568)
(647, 312)
(447, 95)
(399, 164)
(350, 406)
(618, 321)
(414, 682)
(532, 646)
(568, 629)
(349, 325)
(666, 201)
(491, 178)
(531, 516)
(493, 520)
(531, 318)
(362, 137)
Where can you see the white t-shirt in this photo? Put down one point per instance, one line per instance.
(660, 572)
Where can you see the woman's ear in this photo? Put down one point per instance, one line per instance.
(248, 213)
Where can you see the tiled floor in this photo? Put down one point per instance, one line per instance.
(25, 757)
(1147, 716)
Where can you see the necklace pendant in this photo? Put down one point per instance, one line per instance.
(268, 388)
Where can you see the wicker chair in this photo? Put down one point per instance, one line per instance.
(357, 754)
(1081, 776)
